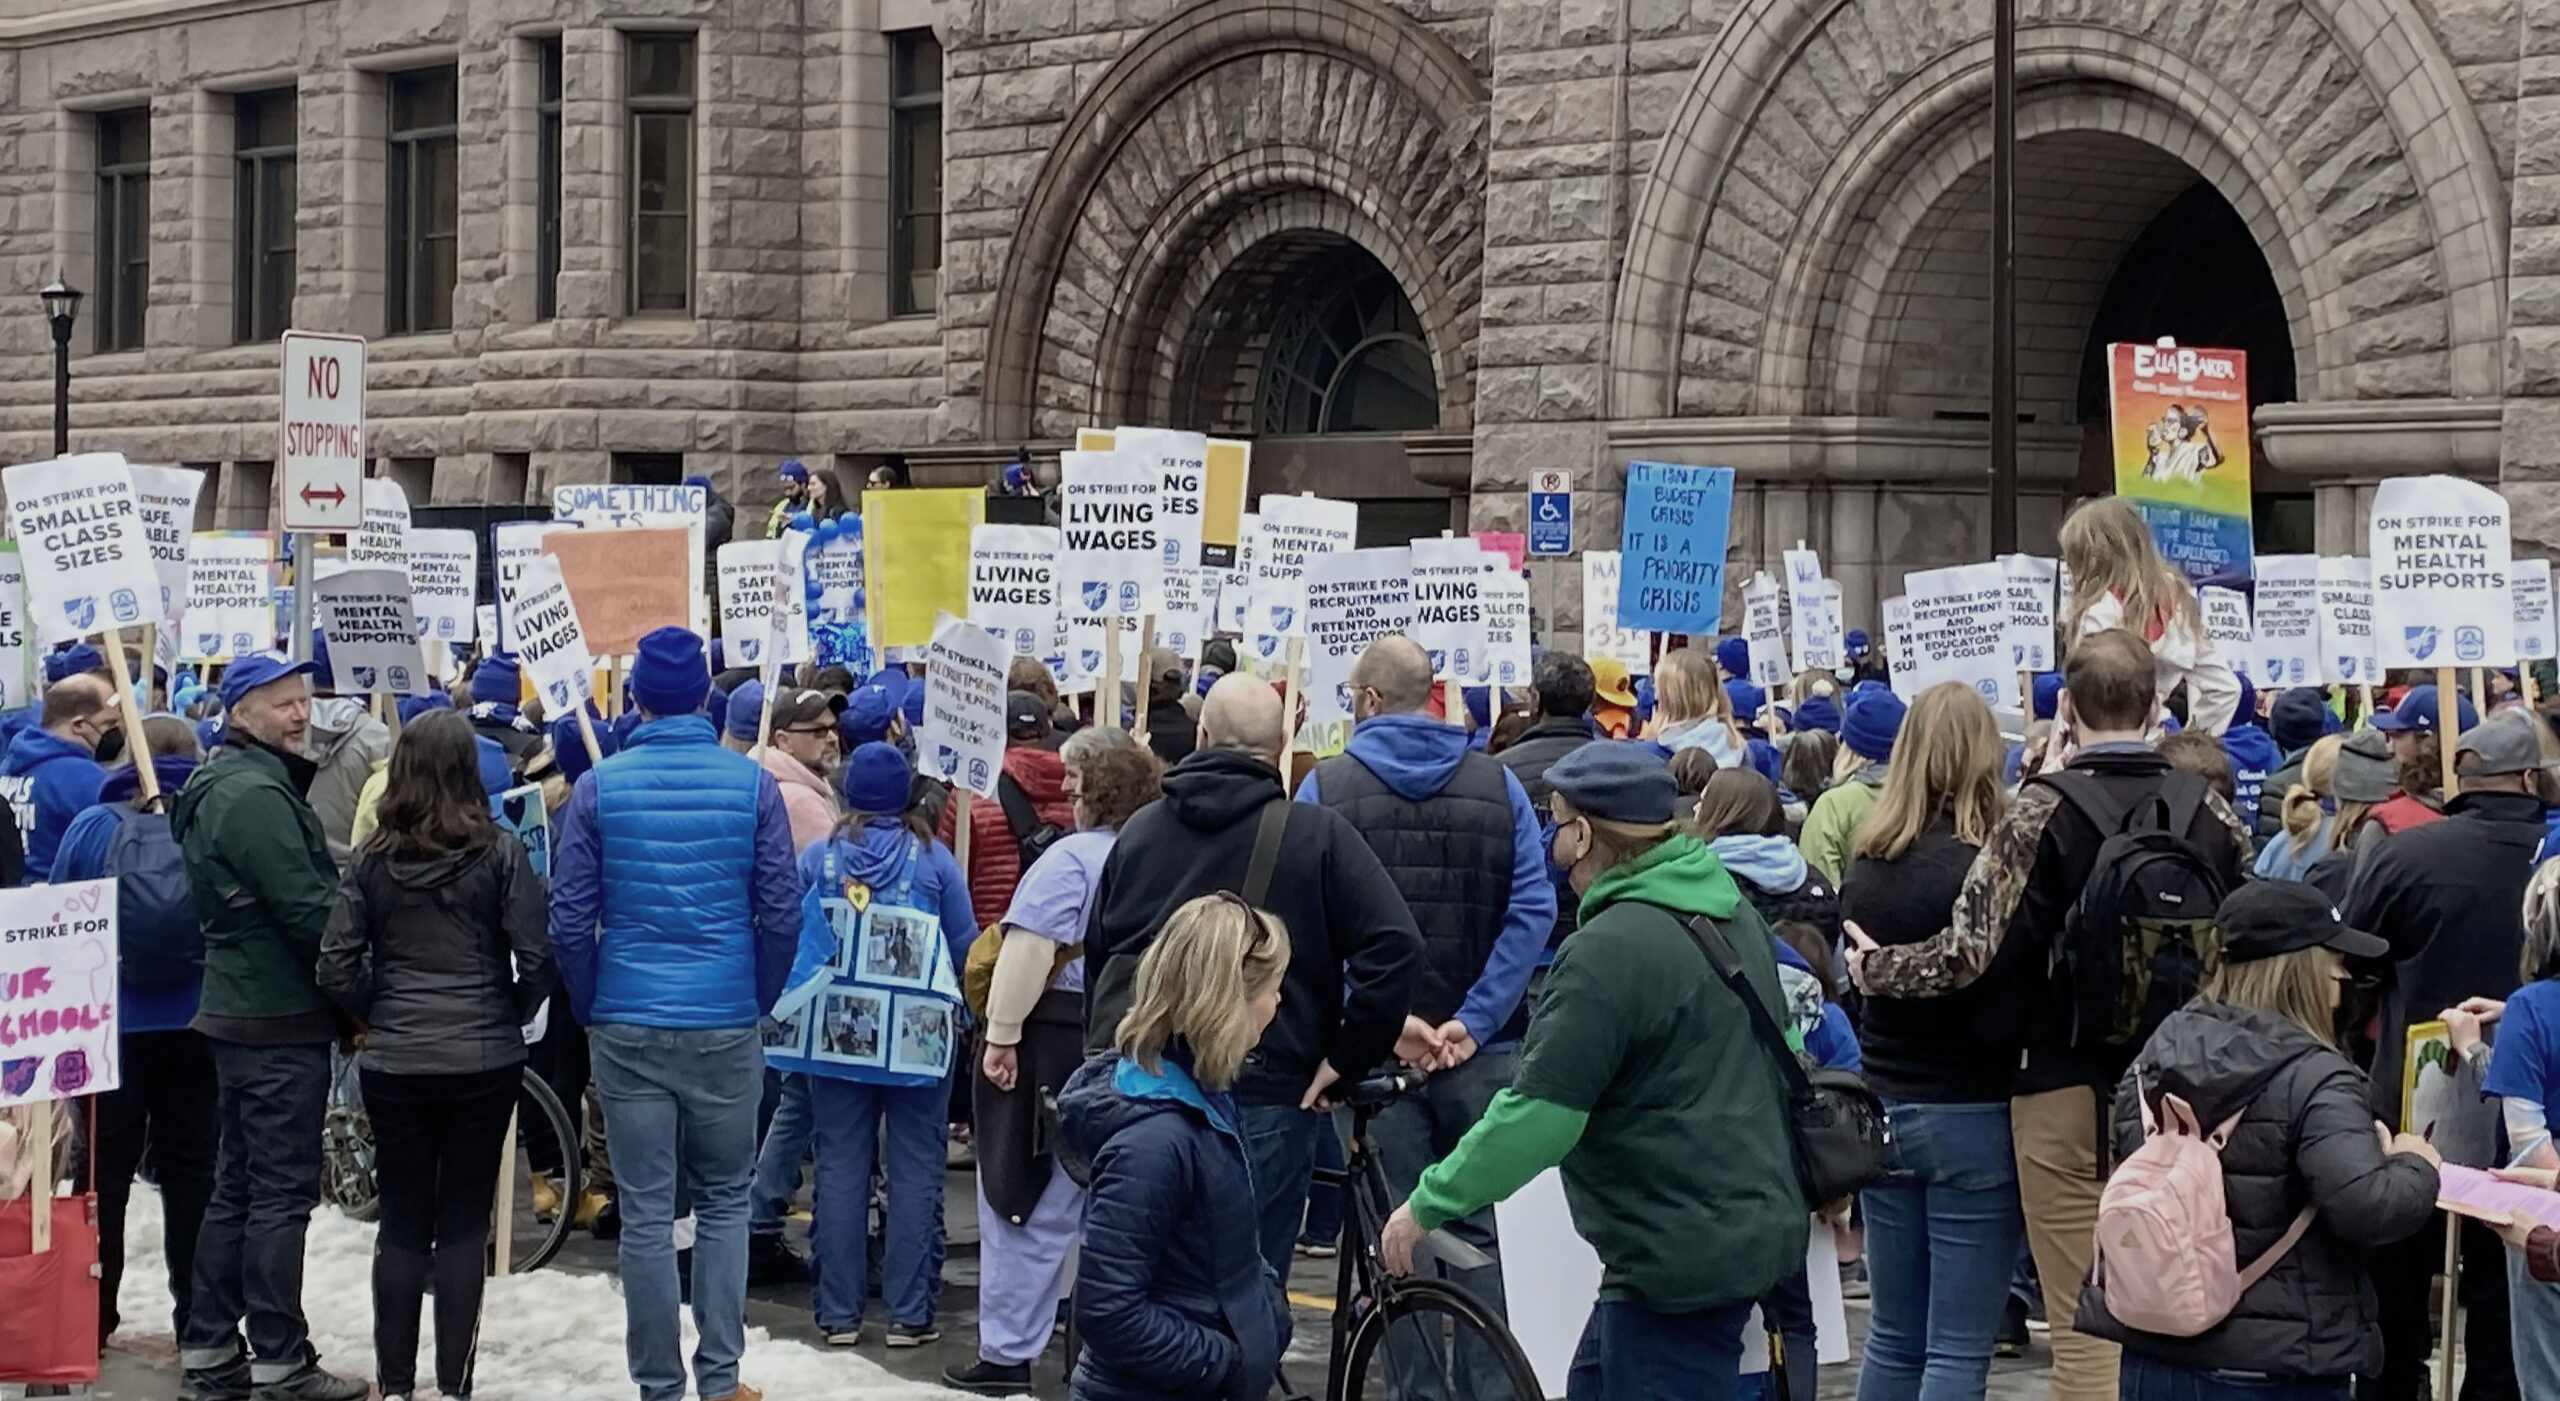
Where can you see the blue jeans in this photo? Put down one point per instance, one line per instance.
(1280, 1142)
(681, 1103)
(786, 1145)
(1787, 1310)
(2141, 1378)
(270, 1104)
(851, 1117)
(1630, 1353)
(1943, 1232)
(2533, 1320)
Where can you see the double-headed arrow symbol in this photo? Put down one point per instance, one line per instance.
(335, 495)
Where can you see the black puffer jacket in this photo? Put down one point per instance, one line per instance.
(2306, 1136)
(418, 949)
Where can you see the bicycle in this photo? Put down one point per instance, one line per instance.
(347, 1156)
(1415, 1338)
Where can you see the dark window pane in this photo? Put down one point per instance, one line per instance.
(266, 120)
(420, 101)
(442, 198)
(660, 191)
(551, 81)
(263, 203)
(122, 228)
(661, 65)
(916, 57)
(124, 139)
(664, 257)
(422, 208)
(915, 172)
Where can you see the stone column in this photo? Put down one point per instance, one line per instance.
(2529, 443)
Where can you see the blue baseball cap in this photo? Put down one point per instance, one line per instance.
(257, 669)
(2417, 711)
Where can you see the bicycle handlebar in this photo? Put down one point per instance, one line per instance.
(1378, 1090)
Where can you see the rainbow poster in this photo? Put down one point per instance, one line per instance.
(2180, 419)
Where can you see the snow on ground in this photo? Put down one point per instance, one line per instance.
(544, 1336)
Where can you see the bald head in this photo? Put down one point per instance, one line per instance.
(79, 708)
(1242, 713)
(1398, 670)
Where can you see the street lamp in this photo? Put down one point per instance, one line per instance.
(61, 307)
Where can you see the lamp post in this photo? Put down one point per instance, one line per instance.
(61, 307)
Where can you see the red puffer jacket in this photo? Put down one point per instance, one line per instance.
(995, 854)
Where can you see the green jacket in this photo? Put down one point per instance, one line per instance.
(263, 884)
(1640, 1075)
(1833, 822)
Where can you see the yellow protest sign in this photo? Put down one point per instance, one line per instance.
(1093, 440)
(915, 556)
(1222, 512)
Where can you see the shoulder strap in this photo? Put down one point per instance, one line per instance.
(1018, 813)
(1266, 850)
(1720, 956)
(2184, 793)
(2292, 1237)
(2088, 799)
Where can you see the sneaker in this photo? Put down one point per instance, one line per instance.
(2010, 1340)
(903, 1335)
(308, 1383)
(770, 1261)
(986, 1378)
(1853, 1280)
(228, 1382)
(606, 1223)
(1318, 1249)
(848, 1337)
(591, 1204)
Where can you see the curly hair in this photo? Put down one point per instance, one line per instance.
(1031, 674)
(1113, 781)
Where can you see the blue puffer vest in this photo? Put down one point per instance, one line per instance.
(676, 816)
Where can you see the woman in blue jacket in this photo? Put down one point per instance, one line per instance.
(1172, 1297)
(893, 857)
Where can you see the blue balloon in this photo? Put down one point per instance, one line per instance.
(857, 599)
(852, 526)
(814, 591)
(828, 530)
(799, 521)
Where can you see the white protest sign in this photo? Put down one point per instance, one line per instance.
(1905, 677)
(2028, 634)
(2439, 552)
(962, 738)
(756, 580)
(1601, 635)
(17, 658)
(2286, 622)
(58, 996)
(444, 569)
(1448, 607)
(512, 544)
(1506, 627)
(230, 604)
(2346, 622)
(372, 635)
(1235, 586)
(88, 564)
(1013, 584)
(1354, 597)
(836, 565)
(382, 542)
(610, 505)
(1111, 554)
(1295, 529)
(2226, 620)
(1183, 624)
(543, 632)
(1083, 657)
(1181, 460)
(165, 497)
(1764, 631)
(2530, 581)
(1959, 629)
(1814, 634)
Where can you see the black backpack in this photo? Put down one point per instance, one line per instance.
(1034, 835)
(158, 943)
(2140, 936)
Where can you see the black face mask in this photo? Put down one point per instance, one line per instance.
(298, 770)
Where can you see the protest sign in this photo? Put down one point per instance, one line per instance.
(372, 634)
(1182, 467)
(962, 738)
(484, 625)
(836, 566)
(1764, 631)
(1294, 530)
(2180, 420)
(1110, 546)
(444, 569)
(621, 505)
(1354, 597)
(1448, 607)
(2226, 620)
(1235, 587)
(227, 612)
(1083, 655)
(58, 998)
(1013, 584)
(382, 542)
(2028, 636)
(511, 545)
(543, 632)
(1184, 623)
(629, 581)
(2286, 623)
(1815, 636)
(88, 565)
(1959, 629)
(915, 568)
(1511, 546)
(165, 499)
(1229, 464)
(18, 676)
(1671, 548)
(2346, 622)
(756, 576)
(2530, 581)
(1506, 627)
(1896, 613)
(2439, 552)
(1601, 634)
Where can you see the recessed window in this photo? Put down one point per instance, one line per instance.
(263, 205)
(648, 468)
(915, 172)
(661, 180)
(123, 227)
(546, 287)
(424, 202)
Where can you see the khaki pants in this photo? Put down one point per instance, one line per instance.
(2056, 1135)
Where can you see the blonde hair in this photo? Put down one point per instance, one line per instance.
(1214, 955)
(2302, 800)
(2541, 956)
(2294, 986)
(1686, 692)
(1946, 761)
(2342, 828)
(2109, 549)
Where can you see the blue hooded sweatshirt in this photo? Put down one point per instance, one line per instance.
(48, 780)
(83, 856)
(2254, 757)
(1415, 756)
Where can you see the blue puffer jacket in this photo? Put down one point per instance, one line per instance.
(1171, 1296)
(49, 781)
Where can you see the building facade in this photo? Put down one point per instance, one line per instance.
(1417, 250)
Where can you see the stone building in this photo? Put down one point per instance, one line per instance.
(1416, 249)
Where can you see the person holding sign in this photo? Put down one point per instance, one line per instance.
(675, 914)
(350, 744)
(51, 773)
(2119, 580)
(264, 886)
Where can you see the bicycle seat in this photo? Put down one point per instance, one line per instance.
(1377, 1091)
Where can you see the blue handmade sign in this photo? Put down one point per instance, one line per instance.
(1672, 547)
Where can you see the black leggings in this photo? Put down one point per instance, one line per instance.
(436, 1143)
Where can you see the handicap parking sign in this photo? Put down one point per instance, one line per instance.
(1550, 513)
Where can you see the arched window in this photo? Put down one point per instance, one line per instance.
(1346, 355)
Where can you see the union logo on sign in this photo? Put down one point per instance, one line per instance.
(977, 773)
(2470, 643)
(364, 677)
(2421, 639)
(1096, 594)
(1281, 618)
(82, 611)
(126, 606)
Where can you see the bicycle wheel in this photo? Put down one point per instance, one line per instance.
(534, 1237)
(1433, 1341)
(346, 1147)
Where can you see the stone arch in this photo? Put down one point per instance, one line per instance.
(1225, 109)
(2336, 126)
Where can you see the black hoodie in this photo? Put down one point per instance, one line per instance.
(1355, 956)
(420, 949)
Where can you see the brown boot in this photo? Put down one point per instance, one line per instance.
(743, 1393)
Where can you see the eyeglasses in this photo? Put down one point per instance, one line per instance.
(810, 730)
(1256, 918)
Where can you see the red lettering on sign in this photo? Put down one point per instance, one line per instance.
(323, 378)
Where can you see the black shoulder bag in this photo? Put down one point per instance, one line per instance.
(1108, 988)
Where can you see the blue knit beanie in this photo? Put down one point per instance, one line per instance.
(875, 781)
(2047, 694)
(793, 471)
(1871, 724)
(1734, 655)
(1818, 712)
(672, 673)
(496, 681)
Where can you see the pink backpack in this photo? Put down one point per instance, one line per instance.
(2166, 1262)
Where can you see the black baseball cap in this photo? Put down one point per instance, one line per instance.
(2265, 918)
(798, 709)
(1025, 717)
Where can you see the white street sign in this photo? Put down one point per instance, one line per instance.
(320, 457)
